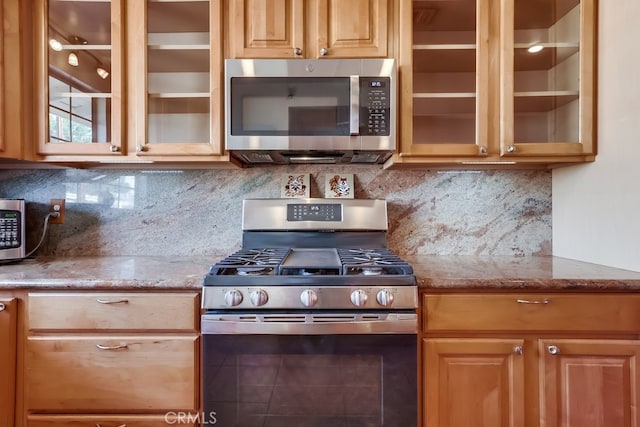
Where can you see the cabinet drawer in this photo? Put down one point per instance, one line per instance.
(129, 373)
(529, 312)
(113, 310)
(180, 419)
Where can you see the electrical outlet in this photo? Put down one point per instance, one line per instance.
(57, 205)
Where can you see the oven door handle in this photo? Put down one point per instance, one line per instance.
(310, 324)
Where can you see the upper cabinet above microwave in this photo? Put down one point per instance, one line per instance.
(496, 82)
(309, 28)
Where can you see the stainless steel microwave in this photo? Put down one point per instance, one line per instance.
(310, 111)
(12, 228)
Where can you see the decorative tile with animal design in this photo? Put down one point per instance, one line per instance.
(295, 185)
(339, 185)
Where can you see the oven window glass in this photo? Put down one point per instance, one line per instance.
(289, 106)
(311, 381)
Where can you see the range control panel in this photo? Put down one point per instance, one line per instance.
(314, 212)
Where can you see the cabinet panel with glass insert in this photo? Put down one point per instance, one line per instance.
(503, 82)
(547, 77)
(176, 68)
(79, 74)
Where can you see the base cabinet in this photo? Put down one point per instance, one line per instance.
(112, 359)
(508, 360)
(8, 324)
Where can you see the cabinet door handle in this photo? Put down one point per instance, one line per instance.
(518, 350)
(112, 301)
(552, 349)
(527, 301)
(2, 307)
(112, 347)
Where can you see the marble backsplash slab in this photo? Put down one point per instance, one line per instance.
(198, 212)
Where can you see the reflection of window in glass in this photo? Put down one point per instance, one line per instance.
(116, 192)
(72, 116)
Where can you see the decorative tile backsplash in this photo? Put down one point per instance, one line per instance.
(198, 212)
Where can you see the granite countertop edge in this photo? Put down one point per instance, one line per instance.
(437, 273)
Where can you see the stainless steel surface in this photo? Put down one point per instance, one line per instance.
(310, 324)
(259, 149)
(12, 230)
(354, 101)
(301, 297)
(357, 214)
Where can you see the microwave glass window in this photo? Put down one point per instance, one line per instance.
(290, 106)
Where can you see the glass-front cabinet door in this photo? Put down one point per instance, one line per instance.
(547, 77)
(79, 77)
(175, 78)
(450, 86)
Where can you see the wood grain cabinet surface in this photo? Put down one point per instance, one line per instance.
(124, 353)
(309, 29)
(8, 331)
(497, 82)
(530, 359)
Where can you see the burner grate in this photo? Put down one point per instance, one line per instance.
(372, 262)
(250, 262)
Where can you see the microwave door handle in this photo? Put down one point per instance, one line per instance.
(354, 100)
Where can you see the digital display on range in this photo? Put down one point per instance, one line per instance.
(314, 212)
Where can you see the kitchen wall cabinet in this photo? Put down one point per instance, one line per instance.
(132, 355)
(527, 359)
(163, 106)
(12, 95)
(497, 82)
(8, 350)
(309, 29)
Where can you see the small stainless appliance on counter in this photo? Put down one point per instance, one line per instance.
(313, 321)
(12, 229)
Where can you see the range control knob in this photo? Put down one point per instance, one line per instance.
(384, 297)
(309, 297)
(233, 297)
(258, 298)
(359, 298)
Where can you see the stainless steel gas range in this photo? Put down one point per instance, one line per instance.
(313, 322)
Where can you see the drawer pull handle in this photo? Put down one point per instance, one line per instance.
(527, 301)
(112, 301)
(2, 307)
(111, 347)
(121, 425)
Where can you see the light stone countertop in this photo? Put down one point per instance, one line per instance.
(433, 272)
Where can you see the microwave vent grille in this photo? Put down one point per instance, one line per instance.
(258, 158)
(365, 158)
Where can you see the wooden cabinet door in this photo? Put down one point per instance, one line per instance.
(79, 106)
(266, 28)
(548, 94)
(473, 382)
(174, 59)
(349, 29)
(12, 98)
(68, 374)
(591, 383)
(8, 321)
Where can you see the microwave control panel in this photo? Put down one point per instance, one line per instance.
(10, 236)
(375, 108)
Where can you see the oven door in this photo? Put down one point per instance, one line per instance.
(312, 370)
